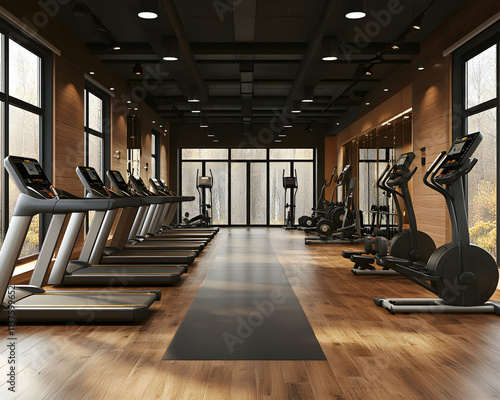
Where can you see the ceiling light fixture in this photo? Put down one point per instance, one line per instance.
(116, 47)
(367, 103)
(203, 120)
(193, 94)
(308, 94)
(281, 135)
(149, 9)
(195, 108)
(92, 72)
(170, 48)
(137, 69)
(329, 48)
(417, 24)
(215, 140)
(396, 46)
(420, 65)
(111, 87)
(386, 90)
(368, 72)
(355, 9)
(296, 107)
(277, 141)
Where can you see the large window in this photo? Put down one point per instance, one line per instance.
(96, 129)
(155, 154)
(248, 186)
(24, 128)
(476, 100)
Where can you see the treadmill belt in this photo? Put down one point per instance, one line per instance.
(245, 309)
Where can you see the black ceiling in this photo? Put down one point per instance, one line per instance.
(274, 46)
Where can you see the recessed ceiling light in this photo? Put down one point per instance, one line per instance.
(211, 135)
(116, 48)
(111, 88)
(137, 69)
(277, 141)
(367, 103)
(153, 122)
(92, 72)
(338, 123)
(215, 140)
(282, 135)
(386, 90)
(147, 15)
(396, 46)
(355, 9)
(149, 9)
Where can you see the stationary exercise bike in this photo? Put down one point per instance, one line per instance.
(464, 276)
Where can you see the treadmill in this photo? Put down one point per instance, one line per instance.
(95, 250)
(95, 187)
(154, 230)
(29, 303)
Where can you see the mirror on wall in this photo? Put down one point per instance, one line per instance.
(369, 154)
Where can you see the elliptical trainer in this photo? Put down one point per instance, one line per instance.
(464, 276)
(204, 218)
(290, 183)
(319, 211)
(410, 244)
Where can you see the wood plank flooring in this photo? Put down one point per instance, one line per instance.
(371, 354)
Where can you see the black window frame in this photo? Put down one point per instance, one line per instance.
(267, 161)
(44, 111)
(486, 39)
(106, 128)
(156, 155)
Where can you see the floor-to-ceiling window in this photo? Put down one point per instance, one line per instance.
(24, 126)
(247, 185)
(476, 108)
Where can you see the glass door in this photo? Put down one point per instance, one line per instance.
(239, 193)
(258, 193)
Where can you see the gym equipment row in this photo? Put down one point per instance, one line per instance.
(144, 250)
(462, 275)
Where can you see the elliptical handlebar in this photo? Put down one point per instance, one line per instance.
(412, 173)
(384, 177)
(331, 178)
(432, 169)
(470, 166)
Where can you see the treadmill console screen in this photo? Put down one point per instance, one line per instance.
(117, 180)
(141, 185)
(31, 176)
(461, 150)
(91, 180)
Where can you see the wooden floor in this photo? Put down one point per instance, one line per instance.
(371, 354)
